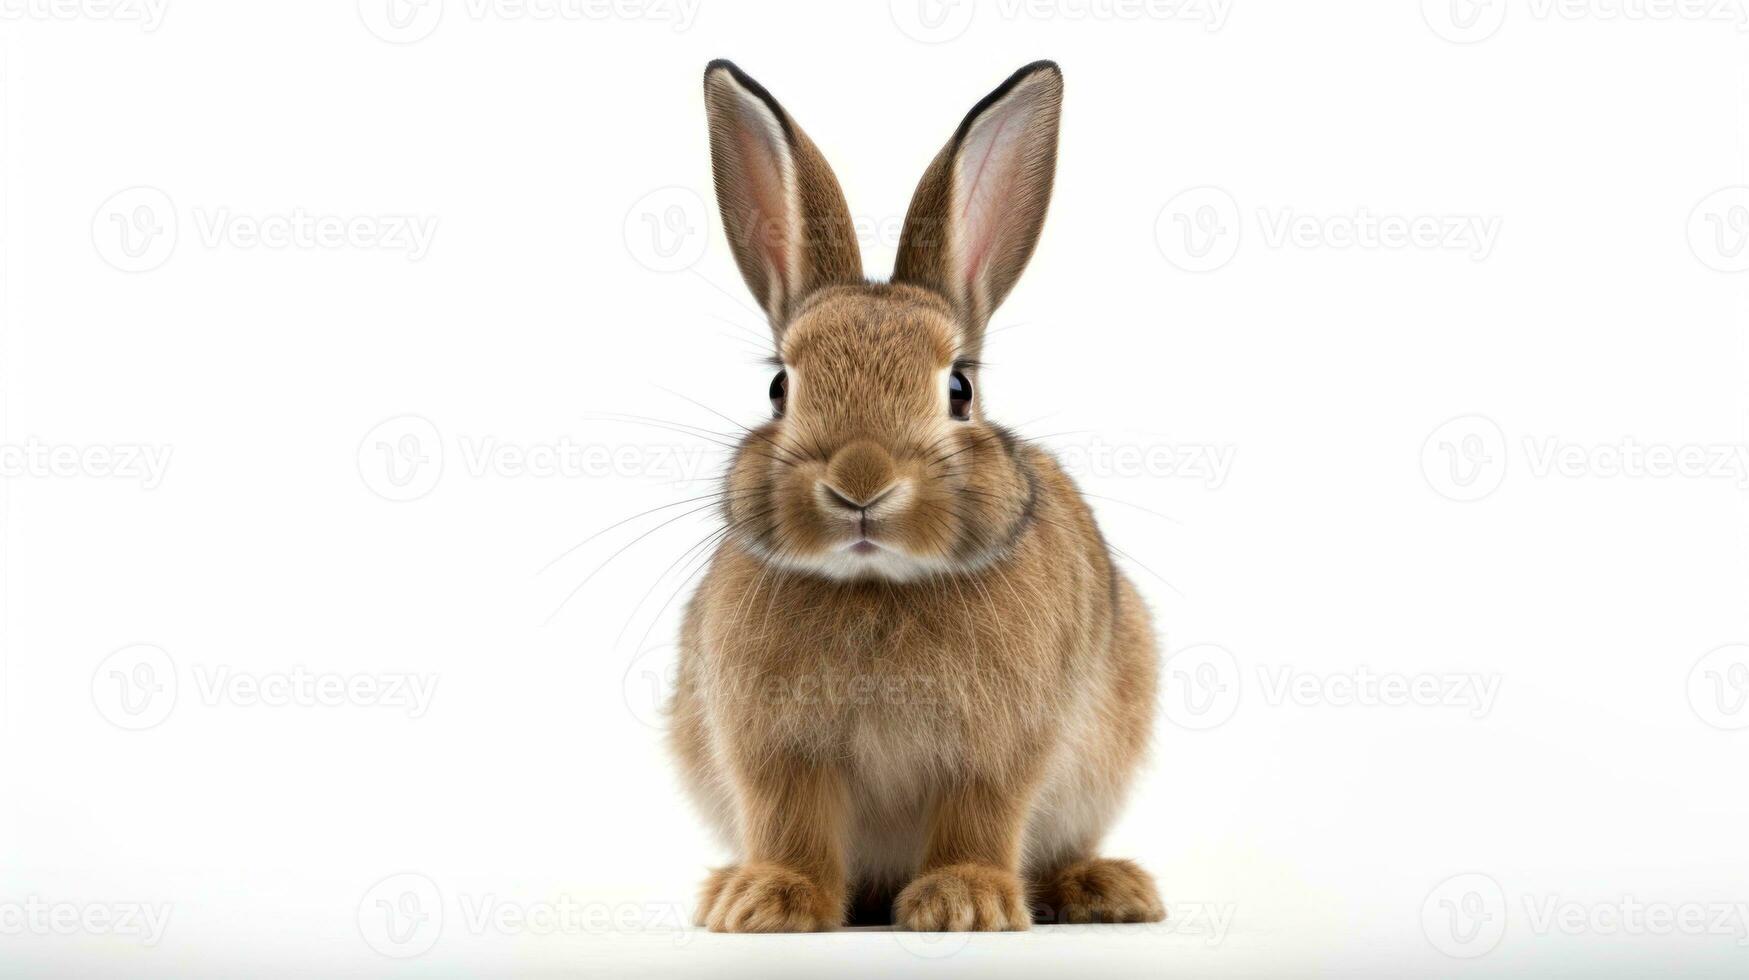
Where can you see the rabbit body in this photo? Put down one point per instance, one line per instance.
(912, 673)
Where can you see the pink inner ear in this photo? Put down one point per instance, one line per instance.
(989, 162)
(762, 174)
(981, 189)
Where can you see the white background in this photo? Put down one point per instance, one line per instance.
(1545, 547)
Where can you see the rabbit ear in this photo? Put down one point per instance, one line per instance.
(786, 218)
(976, 214)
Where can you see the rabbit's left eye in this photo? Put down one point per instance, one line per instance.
(959, 395)
(779, 393)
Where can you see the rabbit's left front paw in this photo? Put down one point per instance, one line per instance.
(1101, 890)
(962, 897)
(766, 898)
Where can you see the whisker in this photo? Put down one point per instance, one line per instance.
(1131, 503)
(629, 417)
(1124, 554)
(975, 443)
(737, 300)
(751, 432)
(718, 495)
(703, 545)
(622, 550)
(674, 427)
(701, 566)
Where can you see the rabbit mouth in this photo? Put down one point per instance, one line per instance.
(860, 558)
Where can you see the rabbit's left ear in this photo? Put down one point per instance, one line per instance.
(976, 215)
(787, 221)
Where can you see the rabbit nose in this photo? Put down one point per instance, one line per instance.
(859, 475)
(839, 498)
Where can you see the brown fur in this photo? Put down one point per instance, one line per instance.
(952, 727)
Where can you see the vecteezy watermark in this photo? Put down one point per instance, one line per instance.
(650, 678)
(932, 945)
(404, 915)
(1718, 230)
(1466, 916)
(402, 459)
(939, 21)
(1472, 235)
(1718, 687)
(143, 922)
(649, 683)
(562, 915)
(1470, 21)
(565, 458)
(299, 228)
(1626, 915)
(407, 21)
(1099, 459)
(137, 230)
(1552, 456)
(1465, 459)
(1363, 687)
(1200, 228)
(137, 687)
(667, 229)
(36, 459)
(303, 688)
(1202, 687)
(149, 14)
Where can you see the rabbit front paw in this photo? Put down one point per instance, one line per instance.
(961, 898)
(1101, 890)
(765, 898)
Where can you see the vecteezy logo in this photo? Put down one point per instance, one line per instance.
(401, 21)
(932, 21)
(648, 683)
(1465, 459)
(1198, 230)
(1718, 687)
(135, 229)
(402, 458)
(1465, 915)
(1718, 230)
(1202, 686)
(135, 687)
(402, 915)
(1464, 21)
(932, 945)
(666, 231)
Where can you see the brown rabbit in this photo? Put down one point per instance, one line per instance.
(912, 676)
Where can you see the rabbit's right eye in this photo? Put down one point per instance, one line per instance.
(779, 393)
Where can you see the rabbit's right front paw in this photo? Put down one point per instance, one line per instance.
(962, 897)
(765, 898)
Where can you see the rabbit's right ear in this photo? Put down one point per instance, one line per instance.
(979, 209)
(786, 218)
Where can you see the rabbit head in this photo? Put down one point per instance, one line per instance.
(878, 462)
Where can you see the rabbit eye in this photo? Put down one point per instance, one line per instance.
(959, 395)
(779, 393)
